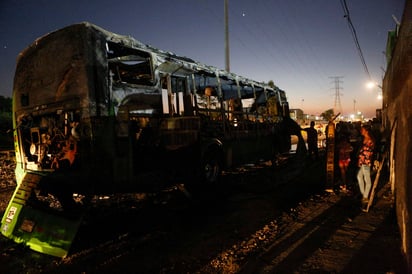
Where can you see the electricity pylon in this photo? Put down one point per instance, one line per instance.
(337, 105)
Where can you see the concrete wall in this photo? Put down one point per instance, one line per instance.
(397, 114)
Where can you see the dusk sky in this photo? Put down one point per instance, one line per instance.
(299, 44)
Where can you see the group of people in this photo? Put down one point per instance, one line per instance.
(355, 147)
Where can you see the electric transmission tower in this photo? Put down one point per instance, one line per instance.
(337, 81)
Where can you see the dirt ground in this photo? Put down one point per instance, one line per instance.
(260, 220)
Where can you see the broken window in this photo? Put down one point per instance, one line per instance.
(207, 96)
(129, 65)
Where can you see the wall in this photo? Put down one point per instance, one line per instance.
(397, 113)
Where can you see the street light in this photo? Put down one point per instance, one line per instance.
(371, 85)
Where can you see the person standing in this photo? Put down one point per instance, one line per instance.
(312, 140)
(344, 151)
(365, 159)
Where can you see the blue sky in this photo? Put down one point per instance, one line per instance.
(299, 44)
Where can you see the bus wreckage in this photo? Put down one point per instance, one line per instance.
(98, 113)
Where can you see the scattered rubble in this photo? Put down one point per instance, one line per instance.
(7, 180)
(168, 233)
(7, 166)
(232, 260)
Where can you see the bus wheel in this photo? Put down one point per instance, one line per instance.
(211, 168)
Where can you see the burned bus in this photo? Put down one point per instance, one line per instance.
(95, 112)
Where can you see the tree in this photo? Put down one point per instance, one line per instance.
(328, 114)
(271, 84)
(6, 124)
(5, 104)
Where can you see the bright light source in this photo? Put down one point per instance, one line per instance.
(370, 85)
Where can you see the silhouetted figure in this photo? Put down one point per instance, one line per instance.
(344, 154)
(312, 140)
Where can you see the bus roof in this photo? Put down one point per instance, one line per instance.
(187, 64)
(164, 56)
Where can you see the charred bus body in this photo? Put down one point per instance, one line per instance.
(97, 112)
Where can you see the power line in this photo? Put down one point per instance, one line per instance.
(355, 37)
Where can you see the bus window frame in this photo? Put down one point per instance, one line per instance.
(117, 60)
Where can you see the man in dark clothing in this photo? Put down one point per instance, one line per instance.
(312, 140)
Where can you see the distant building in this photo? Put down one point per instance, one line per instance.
(296, 114)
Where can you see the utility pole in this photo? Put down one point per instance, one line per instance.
(227, 54)
(337, 81)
